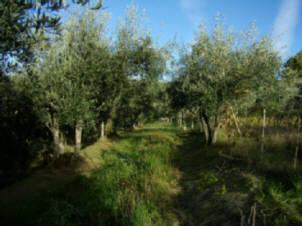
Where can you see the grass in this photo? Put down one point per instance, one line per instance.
(159, 175)
(133, 185)
(223, 183)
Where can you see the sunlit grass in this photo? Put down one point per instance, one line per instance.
(133, 183)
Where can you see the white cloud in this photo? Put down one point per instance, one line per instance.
(193, 9)
(284, 26)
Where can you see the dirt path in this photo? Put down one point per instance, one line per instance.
(188, 162)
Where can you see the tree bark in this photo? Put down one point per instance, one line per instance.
(78, 135)
(254, 215)
(215, 132)
(55, 130)
(298, 143)
(263, 130)
(183, 121)
(192, 124)
(209, 132)
(209, 129)
(199, 121)
(102, 130)
(180, 119)
(205, 130)
(109, 126)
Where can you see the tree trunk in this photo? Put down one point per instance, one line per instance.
(109, 126)
(78, 135)
(215, 132)
(208, 130)
(192, 124)
(180, 119)
(254, 215)
(199, 121)
(55, 130)
(205, 130)
(298, 144)
(263, 130)
(183, 121)
(102, 130)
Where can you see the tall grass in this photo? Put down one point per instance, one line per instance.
(235, 179)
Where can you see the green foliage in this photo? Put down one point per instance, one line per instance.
(20, 145)
(293, 72)
(281, 205)
(23, 24)
(13, 28)
(224, 70)
(67, 80)
(295, 63)
(60, 213)
(208, 179)
(140, 63)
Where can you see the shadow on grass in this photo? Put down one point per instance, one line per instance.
(18, 201)
(220, 184)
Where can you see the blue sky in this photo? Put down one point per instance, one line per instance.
(166, 19)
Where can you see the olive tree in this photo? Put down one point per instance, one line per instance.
(226, 71)
(64, 77)
(139, 63)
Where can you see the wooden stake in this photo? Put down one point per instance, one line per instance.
(236, 122)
